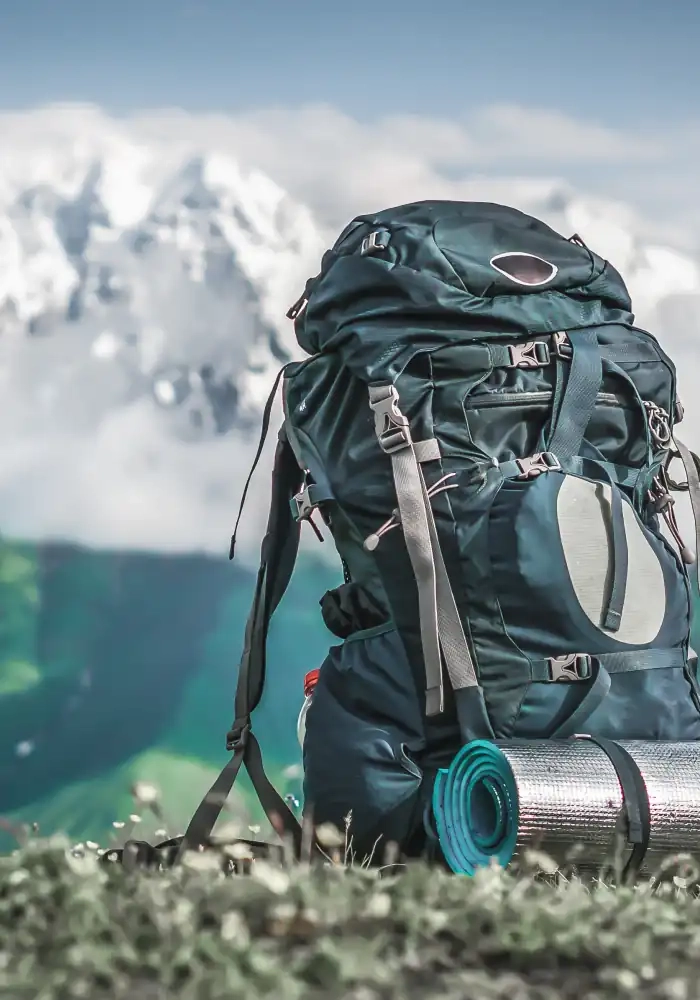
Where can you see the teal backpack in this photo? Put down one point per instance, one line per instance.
(487, 437)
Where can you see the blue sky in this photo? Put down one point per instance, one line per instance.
(602, 94)
(605, 60)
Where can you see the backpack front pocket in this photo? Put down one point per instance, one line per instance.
(552, 555)
(551, 548)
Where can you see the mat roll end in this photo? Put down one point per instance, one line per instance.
(475, 809)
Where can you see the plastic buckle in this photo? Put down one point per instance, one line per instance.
(571, 667)
(377, 240)
(391, 427)
(237, 737)
(394, 439)
(534, 354)
(561, 346)
(535, 465)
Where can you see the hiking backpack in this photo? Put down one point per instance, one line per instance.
(487, 437)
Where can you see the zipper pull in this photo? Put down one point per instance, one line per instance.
(372, 541)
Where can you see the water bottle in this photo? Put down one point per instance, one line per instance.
(309, 684)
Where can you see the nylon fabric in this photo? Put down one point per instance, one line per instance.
(416, 532)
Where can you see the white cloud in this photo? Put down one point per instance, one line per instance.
(342, 167)
(87, 435)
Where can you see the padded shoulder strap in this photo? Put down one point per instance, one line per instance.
(278, 556)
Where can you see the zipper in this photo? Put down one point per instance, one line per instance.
(529, 399)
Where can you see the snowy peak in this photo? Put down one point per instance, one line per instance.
(224, 252)
(143, 291)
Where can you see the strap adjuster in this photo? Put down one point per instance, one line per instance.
(535, 465)
(390, 425)
(571, 667)
(561, 346)
(534, 354)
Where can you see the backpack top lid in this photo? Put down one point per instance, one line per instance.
(430, 269)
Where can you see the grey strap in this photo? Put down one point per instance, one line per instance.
(460, 667)
(394, 438)
(440, 624)
(691, 471)
(427, 451)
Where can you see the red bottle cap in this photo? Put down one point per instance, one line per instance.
(310, 682)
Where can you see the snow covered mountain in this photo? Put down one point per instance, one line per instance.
(143, 291)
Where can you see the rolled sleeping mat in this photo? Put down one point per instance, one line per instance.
(497, 799)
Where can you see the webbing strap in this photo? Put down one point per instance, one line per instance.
(619, 557)
(440, 623)
(540, 352)
(616, 663)
(593, 698)
(264, 428)
(427, 451)
(587, 467)
(691, 463)
(580, 394)
(635, 803)
(623, 475)
(460, 667)
(414, 521)
(278, 555)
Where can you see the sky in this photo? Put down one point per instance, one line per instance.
(607, 60)
(603, 94)
(349, 108)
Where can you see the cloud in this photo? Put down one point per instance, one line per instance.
(342, 167)
(115, 471)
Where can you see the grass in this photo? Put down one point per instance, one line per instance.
(73, 927)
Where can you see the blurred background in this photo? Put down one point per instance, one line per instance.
(170, 173)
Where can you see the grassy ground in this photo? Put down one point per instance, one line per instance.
(72, 928)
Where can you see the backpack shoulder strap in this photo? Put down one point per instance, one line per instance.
(278, 556)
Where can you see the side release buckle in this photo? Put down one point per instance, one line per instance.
(535, 465)
(571, 667)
